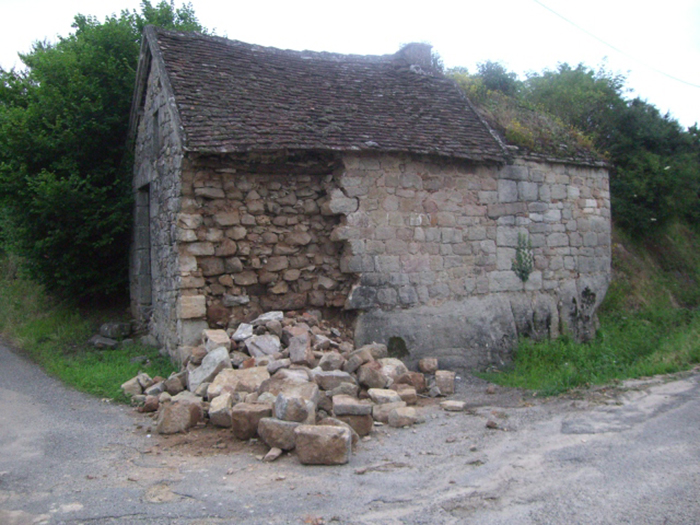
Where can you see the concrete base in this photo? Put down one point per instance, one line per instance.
(481, 331)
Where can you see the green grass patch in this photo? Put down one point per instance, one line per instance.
(55, 334)
(644, 343)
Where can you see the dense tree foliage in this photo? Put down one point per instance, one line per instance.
(655, 163)
(65, 203)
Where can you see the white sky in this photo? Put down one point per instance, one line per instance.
(521, 34)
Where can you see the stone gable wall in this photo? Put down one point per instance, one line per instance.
(154, 262)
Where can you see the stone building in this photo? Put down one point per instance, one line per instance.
(367, 186)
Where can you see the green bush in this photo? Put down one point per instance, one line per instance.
(64, 176)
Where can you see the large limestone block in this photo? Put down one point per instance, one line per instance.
(277, 433)
(214, 362)
(240, 380)
(323, 445)
(245, 418)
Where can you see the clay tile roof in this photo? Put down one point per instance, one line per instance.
(236, 97)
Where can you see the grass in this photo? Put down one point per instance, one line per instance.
(650, 322)
(644, 343)
(55, 336)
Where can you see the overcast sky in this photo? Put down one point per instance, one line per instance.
(656, 44)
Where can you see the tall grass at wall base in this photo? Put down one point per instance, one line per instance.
(640, 344)
(55, 335)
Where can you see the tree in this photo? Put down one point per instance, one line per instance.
(65, 199)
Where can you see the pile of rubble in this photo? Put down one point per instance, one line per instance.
(295, 383)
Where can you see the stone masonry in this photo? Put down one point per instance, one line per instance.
(347, 190)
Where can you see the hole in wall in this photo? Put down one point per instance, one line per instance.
(397, 347)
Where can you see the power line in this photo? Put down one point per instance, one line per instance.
(615, 48)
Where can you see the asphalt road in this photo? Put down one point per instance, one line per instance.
(626, 455)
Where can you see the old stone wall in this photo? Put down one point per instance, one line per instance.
(434, 245)
(154, 263)
(255, 241)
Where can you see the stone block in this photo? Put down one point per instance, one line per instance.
(370, 375)
(414, 379)
(213, 363)
(245, 418)
(332, 379)
(453, 406)
(300, 352)
(428, 365)
(191, 306)
(407, 393)
(383, 396)
(277, 433)
(381, 412)
(240, 380)
(335, 422)
(220, 410)
(507, 191)
(263, 345)
(294, 408)
(362, 425)
(405, 416)
(331, 361)
(445, 381)
(323, 445)
(213, 339)
(344, 405)
(392, 367)
(178, 416)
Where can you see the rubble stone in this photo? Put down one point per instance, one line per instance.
(277, 433)
(370, 375)
(445, 381)
(178, 415)
(453, 406)
(382, 396)
(392, 367)
(415, 379)
(331, 361)
(263, 345)
(323, 445)
(349, 406)
(428, 365)
(132, 387)
(212, 364)
(245, 418)
(402, 417)
(332, 379)
(243, 332)
(407, 393)
(334, 422)
(215, 338)
(294, 408)
(220, 410)
(241, 380)
(363, 425)
(381, 412)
